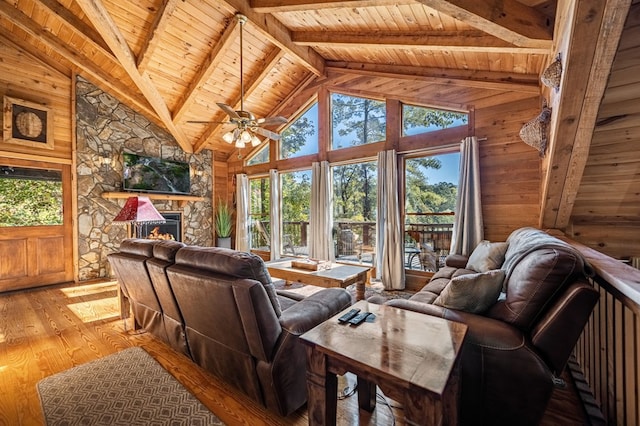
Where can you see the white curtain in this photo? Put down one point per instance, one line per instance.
(321, 220)
(242, 212)
(276, 241)
(390, 242)
(468, 227)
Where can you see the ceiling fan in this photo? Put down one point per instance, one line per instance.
(247, 125)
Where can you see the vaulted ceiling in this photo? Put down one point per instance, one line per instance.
(176, 59)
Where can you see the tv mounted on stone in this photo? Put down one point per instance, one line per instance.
(157, 175)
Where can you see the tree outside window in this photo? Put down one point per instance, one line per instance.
(296, 206)
(30, 197)
(259, 213)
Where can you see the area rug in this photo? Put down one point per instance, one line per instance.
(126, 388)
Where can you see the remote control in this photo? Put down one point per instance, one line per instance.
(346, 317)
(359, 318)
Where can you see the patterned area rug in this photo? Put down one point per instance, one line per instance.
(126, 388)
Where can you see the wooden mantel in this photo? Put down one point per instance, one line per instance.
(181, 199)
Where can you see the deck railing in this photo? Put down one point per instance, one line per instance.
(609, 349)
(356, 240)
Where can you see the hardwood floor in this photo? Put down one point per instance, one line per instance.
(45, 331)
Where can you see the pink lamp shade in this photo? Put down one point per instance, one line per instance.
(137, 210)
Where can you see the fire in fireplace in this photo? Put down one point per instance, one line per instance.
(170, 230)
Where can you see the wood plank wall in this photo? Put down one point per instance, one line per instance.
(24, 77)
(606, 214)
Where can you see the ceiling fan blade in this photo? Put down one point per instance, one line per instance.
(228, 110)
(267, 133)
(272, 121)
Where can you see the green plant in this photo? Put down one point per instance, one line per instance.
(224, 219)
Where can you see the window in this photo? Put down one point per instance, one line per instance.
(296, 205)
(260, 157)
(259, 214)
(30, 197)
(356, 121)
(355, 199)
(431, 188)
(301, 137)
(417, 120)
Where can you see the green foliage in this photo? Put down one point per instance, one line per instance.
(224, 219)
(296, 196)
(415, 117)
(358, 121)
(26, 202)
(295, 136)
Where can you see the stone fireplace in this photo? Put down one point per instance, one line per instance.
(170, 230)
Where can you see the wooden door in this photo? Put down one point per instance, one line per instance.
(32, 256)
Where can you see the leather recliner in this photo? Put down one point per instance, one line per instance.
(241, 330)
(515, 349)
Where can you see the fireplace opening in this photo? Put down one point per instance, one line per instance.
(170, 230)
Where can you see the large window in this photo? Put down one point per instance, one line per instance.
(296, 204)
(356, 121)
(431, 187)
(259, 214)
(301, 137)
(30, 197)
(355, 199)
(417, 120)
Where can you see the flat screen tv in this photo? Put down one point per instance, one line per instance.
(151, 174)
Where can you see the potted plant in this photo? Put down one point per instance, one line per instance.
(224, 224)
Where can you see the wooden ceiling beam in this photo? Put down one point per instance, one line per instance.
(89, 34)
(102, 21)
(100, 77)
(453, 41)
(589, 32)
(158, 28)
(273, 6)
(277, 33)
(508, 20)
(528, 83)
(269, 62)
(207, 68)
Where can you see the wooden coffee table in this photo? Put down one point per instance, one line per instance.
(412, 357)
(340, 275)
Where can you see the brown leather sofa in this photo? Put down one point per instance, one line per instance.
(517, 346)
(234, 323)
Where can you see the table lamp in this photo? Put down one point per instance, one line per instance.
(138, 210)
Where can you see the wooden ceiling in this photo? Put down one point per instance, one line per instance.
(174, 60)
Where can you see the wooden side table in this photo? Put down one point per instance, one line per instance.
(412, 357)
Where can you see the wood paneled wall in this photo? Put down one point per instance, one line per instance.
(24, 77)
(606, 213)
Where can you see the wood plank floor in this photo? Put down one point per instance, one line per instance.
(45, 331)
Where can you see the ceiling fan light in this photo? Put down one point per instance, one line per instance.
(255, 141)
(245, 136)
(240, 143)
(228, 137)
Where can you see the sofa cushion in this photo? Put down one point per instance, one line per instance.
(533, 284)
(472, 292)
(238, 264)
(487, 256)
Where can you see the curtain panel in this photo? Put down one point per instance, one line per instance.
(390, 241)
(274, 210)
(468, 228)
(242, 212)
(321, 220)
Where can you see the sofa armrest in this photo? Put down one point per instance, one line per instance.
(481, 331)
(456, 261)
(313, 310)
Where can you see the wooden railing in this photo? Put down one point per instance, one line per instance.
(609, 349)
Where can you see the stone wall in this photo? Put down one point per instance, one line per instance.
(105, 129)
